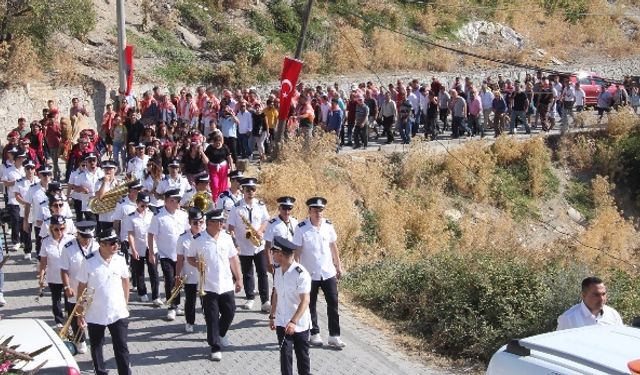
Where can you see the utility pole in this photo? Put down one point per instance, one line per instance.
(122, 41)
(303, 32)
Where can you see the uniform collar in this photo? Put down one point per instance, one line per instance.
(587, 312)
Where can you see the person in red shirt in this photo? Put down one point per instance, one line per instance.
(53, 136)
(12, 140)
(107, 125)
(53, 109)
(36, 137)
(25, 144)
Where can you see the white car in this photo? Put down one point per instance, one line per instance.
(33, 334)
(592, 350)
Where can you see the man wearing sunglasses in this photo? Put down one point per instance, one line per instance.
(57, 206)
(233, 195)
(163, 233)
(105, 184)
(74, 254)
(201, 186)
(136, 224)
(105, 273)
(183, 268)
(137, 164)
(86, 184)
(220, 256)
(21, 190)
(315, 238)
(174, 180)
(282, 225)
(35, 195)
(255, 213)
(50, 256)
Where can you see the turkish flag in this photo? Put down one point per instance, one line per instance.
(288, 80)
(128, 63)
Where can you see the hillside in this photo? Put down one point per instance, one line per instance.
(238, 42)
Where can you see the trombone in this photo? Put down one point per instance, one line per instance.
(202, 272)
(84, 300)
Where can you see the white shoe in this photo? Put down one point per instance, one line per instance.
(266, 307)
(216, 356)
(27, 256)
(144, 298)
(82, 347)
(335, 342)
(171, 315)
(224, 341)
(188, 328)
(2, 300)
(248, 305)
(17, 246)
(158, 302)
(315, 340)
(59, 326)
(179, 311)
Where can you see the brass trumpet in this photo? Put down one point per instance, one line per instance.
(252, 234)
(202, 272)
(84, 300)
(175, 292)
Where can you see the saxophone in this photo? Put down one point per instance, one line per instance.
(251, 234)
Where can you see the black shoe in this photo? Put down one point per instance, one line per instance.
(349, 144)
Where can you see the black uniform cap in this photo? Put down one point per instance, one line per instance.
(282, 244)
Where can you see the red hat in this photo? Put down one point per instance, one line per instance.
(13, 134)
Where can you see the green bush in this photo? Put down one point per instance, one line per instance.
(580, 197)
(232, 45)
(471, 304)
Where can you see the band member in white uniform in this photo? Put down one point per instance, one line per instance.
(57, 204)
(50, 255)
(290, 316)
(163, 233)
(282, 225)
(174, 180)
(138, 163)
(105, 272)
(124, 207)
(10, 177)
(183, 268)
(201, 186)
(21, 193)
(317, 251)
(74, 254)
(220, 256)
(153, 178)
(255, 213)
(227, 199)
(36, 194)
(105, 184)
(86, 182)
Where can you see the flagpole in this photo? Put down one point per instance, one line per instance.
(122, 41)
(303, 32)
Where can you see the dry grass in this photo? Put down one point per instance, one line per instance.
(22, 65)
(347, 52)
(66, 72)
(470, 170)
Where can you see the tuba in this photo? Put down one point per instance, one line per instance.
(202, 201)
(110, 199)
(84, 300)
(251, 234)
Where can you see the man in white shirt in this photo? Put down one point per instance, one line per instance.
(214, 247)
(244, 130)
(163, 233)
(486, 98)
(592, 310)
(317, 251)
(86, 182)
(36, 195)
(21, 193)
(290, 316)
(10, 178)
(174, 180)
(183, 268)
(254, 212)
(228, 198)
(138, 163)
(105, 273)
(105, 184)
(282, 225)
(124, 207)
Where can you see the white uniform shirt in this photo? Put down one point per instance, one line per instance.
(256, 214)
(147, 185)
(13, 174)
(42, 210)
(315, 242)
(289, 285)
(73, 178)
(73, 255)
(580, 316)
(277, 227)
(107, 216)
(88, 180)
(69, 227)
(136, 166)
(138, 223)
(168, 183)
(226, 200)
(166, 228)
(218, 276)
(22, 187)
(182, 248)
(35, 195)
(52, 249)
(123, 209)
(109, 303)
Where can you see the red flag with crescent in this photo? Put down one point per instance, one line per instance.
(288, 81)
(128, 63)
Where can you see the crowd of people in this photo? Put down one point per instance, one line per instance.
(174, 150)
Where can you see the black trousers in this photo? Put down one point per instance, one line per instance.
(118, 331)
(219, 310)
(138, 266)
(232, 143)
(169, 273)
(57, 293)
(69, 306)
(124, 248)
(14, 224)
(77, 208)
(190, 295)
(299, 342)
(36, 232)
(25, 238)
(360, 135)
(330, 290)
(246, 263)
(387, 125)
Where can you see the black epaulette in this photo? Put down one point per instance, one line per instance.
(44, 202)
(20, 180)
(47, 219)
(183, 233)
(45, 237)
(302, 224)
(299, 269)
(189, 191)
(276, 266)
(68, 244)
(196, 235)
(133, 213)
(165, 178)
(237, 204)
(328, 221)
(121, 200)
(90, 255)
(224, 194)
(273, 220)
(101, 178)
(119, 253)
(261, 203)
(34, 184)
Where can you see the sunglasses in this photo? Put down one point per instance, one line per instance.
(58, 229)
(286, 208)
(197, 222)
(57, 205)
(91, 161)
(29, 167)
(250, 188)
(317, 209)
(144, 205)
(111, 243)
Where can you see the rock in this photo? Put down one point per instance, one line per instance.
(189, 38)
(453, 214)
(575, 215)
(358, 159)
(484, 32)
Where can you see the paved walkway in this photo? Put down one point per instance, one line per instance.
(158, 346)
